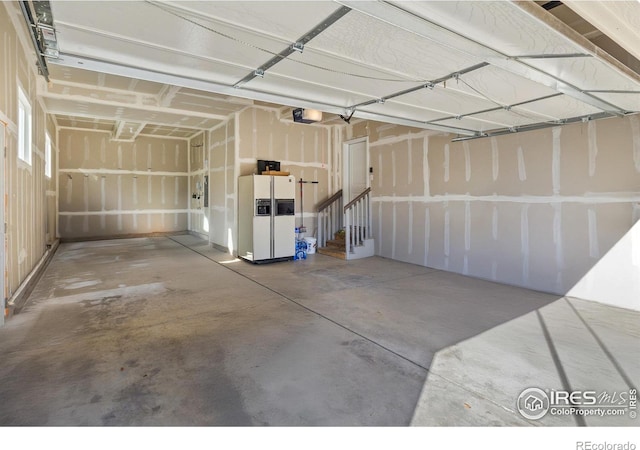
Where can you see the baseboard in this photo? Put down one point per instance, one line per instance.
(21, 295)
(199, 235)
(222, 248)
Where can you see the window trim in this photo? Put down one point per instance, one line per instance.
(47, 155)
(25, 127)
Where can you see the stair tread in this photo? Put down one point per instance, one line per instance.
(331, 251)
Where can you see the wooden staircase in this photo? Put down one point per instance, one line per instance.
(334, 247)
(349, 227)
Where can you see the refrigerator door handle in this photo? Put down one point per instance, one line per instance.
(273, 222)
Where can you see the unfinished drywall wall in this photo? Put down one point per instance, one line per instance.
(302, 149)
(28, 194)
(232, 150)
(536, 209)
(222, 185)
(111, 188)
(615, 279)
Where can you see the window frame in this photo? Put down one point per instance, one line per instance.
(25, 128)
(47, 155)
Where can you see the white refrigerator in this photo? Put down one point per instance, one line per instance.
(266, 218)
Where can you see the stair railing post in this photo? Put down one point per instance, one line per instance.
(356, 213)
(362, 221)
(320, 228)
(368, 218)
(347, 235)
(334, 216)
(359, 222)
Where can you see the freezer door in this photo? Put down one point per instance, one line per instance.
(284, 236)
(246, 210)
(262, 186)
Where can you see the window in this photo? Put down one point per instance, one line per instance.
(24, 127)
(47, 155)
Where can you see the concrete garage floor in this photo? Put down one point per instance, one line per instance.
(168, 331)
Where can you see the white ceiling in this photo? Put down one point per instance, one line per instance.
(472, 67)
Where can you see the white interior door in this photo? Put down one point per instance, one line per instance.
(355, 168)
(2, 238)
